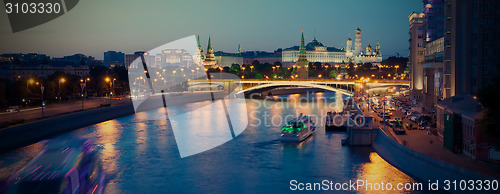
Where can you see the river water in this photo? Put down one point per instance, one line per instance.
(140, 155)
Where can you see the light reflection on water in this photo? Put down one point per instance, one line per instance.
(140, 155)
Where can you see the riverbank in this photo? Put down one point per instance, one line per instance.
(421, 166)
(56, 109)
(420, 154)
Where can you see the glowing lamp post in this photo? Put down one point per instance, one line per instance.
(59, 88)
(83, 85)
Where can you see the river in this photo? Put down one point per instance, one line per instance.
(140, 155)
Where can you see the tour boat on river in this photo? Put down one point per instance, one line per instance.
(298, 129)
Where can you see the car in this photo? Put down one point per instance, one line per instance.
(414, 118)
(69, 166)
(13, 109)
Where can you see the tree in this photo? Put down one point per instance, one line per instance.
(316, 66)
(3, 100)
(333, 73)
(277, 64)
(258, 76)
(235, 68)
(294, 72)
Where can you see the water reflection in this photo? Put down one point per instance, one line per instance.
(107, 134)
(141, 155)
(375, 171)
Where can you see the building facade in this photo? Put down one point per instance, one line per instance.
(433, 73)
(227, 59)
(416, 53)
(39, 65)
(471, 44)
(459, 127)
(317, 52)
(113, 58)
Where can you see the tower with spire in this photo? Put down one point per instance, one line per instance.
(348, 48)
(302, 63)
(357, 43)
(199, 52)
(209, 60)
(377, 49)
(369, 50)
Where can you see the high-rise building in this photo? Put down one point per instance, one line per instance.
(433, 73)
(130, 58)
(433, 19)
(472, 42)
(433, 11)
(112, 58)
(470, 55)
(416, 53)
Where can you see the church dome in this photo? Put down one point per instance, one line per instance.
(314, 43)
(358, 30)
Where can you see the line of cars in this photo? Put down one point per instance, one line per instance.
(395, 124)
(420, 121)
(381, 112)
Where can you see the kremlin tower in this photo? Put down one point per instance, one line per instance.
(209, 60)
(199, 52)
(302, 63)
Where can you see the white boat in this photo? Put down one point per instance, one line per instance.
(298, 129)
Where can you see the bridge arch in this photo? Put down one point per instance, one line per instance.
(304, 84)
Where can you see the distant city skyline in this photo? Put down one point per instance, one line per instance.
(94, 27)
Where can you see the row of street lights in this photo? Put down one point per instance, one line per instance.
(83, 85)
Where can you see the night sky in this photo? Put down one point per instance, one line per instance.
(96, 26)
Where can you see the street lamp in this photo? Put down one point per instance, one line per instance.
(43, 103)
(83, 85)
(59, 89)
(30, 81)
(109, 80)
